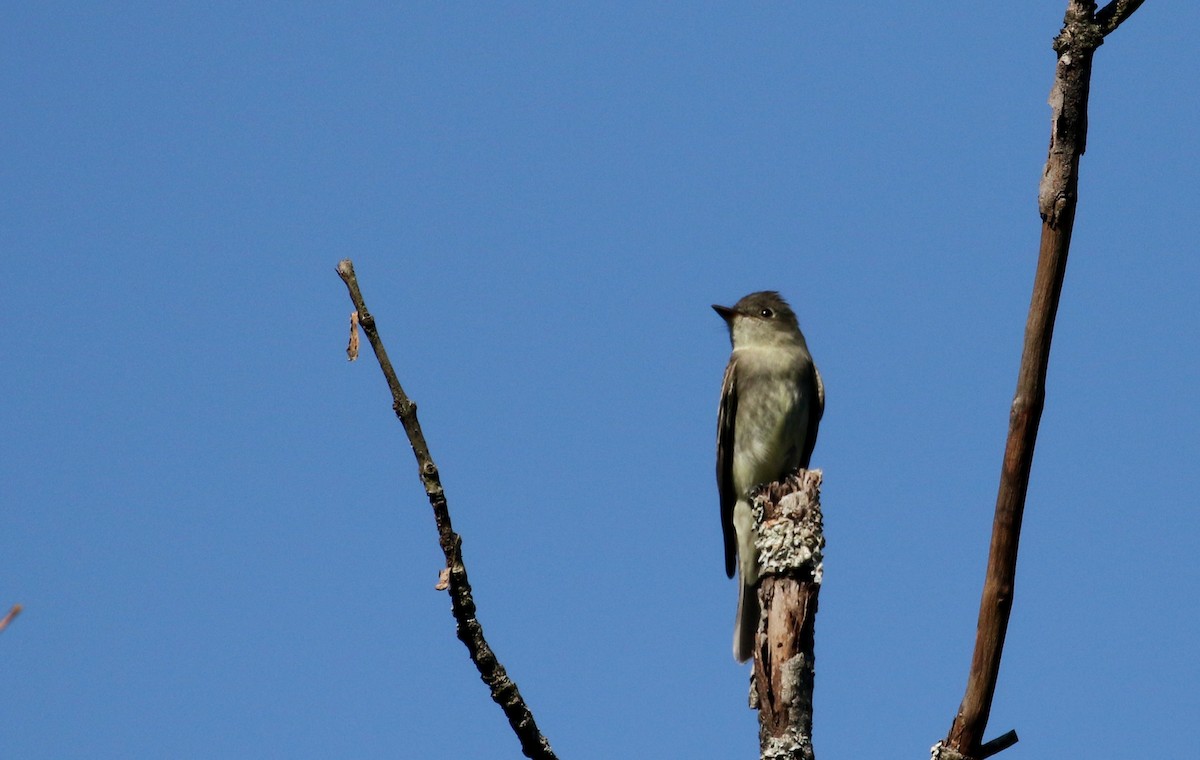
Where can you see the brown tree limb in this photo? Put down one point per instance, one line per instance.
(470, 632)
(790, 539)
(11, 616)
(1083, 31)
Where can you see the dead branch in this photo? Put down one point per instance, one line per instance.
(790, 539)
(11, 616)
(470, 632)
(1083, 31)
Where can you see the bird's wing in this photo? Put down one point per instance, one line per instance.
(814, 414)
(725, 424)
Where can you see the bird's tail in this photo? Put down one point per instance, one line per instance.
(746, 625)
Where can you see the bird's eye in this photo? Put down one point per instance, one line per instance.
(766, 313)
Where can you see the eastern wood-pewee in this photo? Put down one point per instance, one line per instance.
(772, 399)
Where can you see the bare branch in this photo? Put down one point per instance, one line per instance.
(1114, 14)
(1083, 31)
(11, 616)
(999, 744)
(470, 632)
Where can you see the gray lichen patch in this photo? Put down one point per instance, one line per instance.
(790, 536)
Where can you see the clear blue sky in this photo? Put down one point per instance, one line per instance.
(214, 521)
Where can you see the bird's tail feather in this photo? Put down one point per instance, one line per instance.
(746, 625)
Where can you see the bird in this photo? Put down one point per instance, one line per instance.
(772, 401)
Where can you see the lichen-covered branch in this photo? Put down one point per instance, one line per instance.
(791, 541)
(1083, 31)
(1112, 15)
(470, 632)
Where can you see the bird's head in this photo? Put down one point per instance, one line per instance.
(761, 319)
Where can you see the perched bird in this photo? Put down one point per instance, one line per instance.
(772, 399)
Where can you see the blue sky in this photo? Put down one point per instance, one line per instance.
(214, 522)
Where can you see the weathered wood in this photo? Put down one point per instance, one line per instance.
(791, 542)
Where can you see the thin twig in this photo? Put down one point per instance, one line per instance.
(11, 616)
(1082, 33)
(470, 632)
